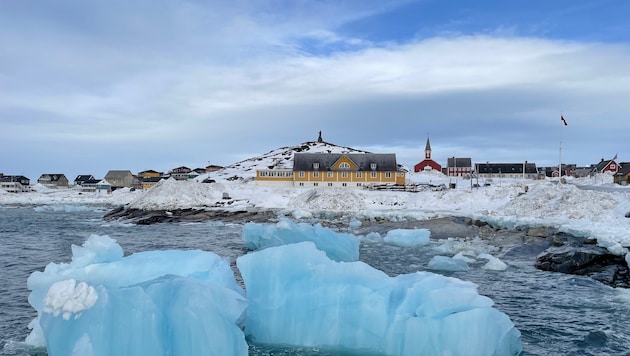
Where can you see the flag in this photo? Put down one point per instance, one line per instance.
(563, 120)
(614, 158)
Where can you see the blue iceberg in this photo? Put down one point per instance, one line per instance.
(338, 246)
(298, 296)
(149, 303)
(407, 237)
(188, 303)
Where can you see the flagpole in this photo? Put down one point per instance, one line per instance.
(560, 153)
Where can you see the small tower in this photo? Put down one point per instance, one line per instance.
(319, 139)
(427, 149)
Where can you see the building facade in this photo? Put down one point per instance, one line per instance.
(335, 170)
(427, 164)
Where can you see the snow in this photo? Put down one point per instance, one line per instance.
(316, 302)
(451, 264)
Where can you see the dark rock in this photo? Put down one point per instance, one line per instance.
(628, 214)
(587, 260)
(539, 232)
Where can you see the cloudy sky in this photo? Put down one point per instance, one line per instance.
(88, 86)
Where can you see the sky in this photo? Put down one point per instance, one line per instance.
(88, 86)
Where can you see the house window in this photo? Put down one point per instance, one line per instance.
(372, 166)
(358, 184)
(344, 174)
(612, 166)
(315, 174)
(315, 166)
(302, 174)
(330, 184)
(388, 174)
(373, 174)
(344, 184)
(330, 174)
(301, 184)
(344, 165)
(315, 184)
(358, 174)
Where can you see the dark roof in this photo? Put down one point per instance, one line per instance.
(428, 146)
(20, 179)
(83, 177)
(602, 164)
(508, 168)
(150, 171)
(459, 162)
(384, 161)
(624, 168)
(91, 181)
(53, 176)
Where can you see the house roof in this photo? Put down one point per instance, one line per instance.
(53, 176)
(13, 179)
(384, 161)
(505, 168)
(602, 164)
(118, 174)
(459, 162)
(624, 168)
(83, 178)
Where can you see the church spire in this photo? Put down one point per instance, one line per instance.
(427, 149)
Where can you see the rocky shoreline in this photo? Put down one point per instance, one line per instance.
(552, 250)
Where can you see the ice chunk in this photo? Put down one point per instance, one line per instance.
(149, 303)
(493, 264)
(407, 237)
(443, 263)
(338, 246)
(298, 296)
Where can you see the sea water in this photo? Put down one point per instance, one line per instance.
(557, 314)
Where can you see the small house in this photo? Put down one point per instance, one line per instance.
(459, 167)
(14, 184)
(120, 179)
(80, 179)
(606, 166)
(622, 176)
(53, 181)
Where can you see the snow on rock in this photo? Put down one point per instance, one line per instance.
(174, 194)
(330, 199)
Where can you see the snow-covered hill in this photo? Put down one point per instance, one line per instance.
(280, 158)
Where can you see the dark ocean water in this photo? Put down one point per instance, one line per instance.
(556, 314)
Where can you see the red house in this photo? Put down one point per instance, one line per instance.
(428, 164)
(607, 166)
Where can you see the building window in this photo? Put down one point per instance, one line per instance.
(359, 174)
(330, 174)
(388, 174)
(315, 184)
(315, 174)
(373, 174)
(344, 174)
(372, 166)
(301, 184)
(344, 184)
(344, 165)
(612, 166)
(302, 174)
(330, 184)
(315, 166)
(358, 184)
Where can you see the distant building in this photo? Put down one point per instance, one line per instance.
(459, 167)
(83, 178)
(213, 168)
(182, 173)
(623, 174)
(53, 181)
(336, 170)
(120, 179)
(506, 170)
(427, 164)
(604, 166)
(14, 184)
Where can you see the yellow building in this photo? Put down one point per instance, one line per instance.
(336, 170)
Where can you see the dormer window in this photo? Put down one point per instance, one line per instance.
(315, 166)
(373, 166)
(344, 165)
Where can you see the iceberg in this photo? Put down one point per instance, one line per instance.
(150, 303)
(407, 237)
(338, 246)
(443, 263)
(299, 296)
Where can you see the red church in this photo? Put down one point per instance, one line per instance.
(428, 164)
